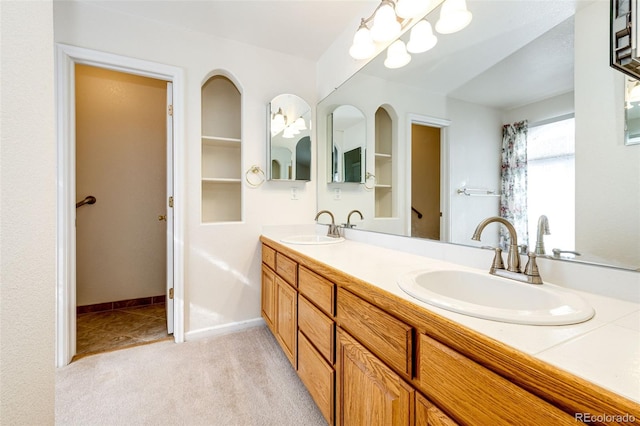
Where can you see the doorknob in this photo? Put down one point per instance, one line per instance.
(162, 217)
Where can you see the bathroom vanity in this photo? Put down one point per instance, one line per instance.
(370, 354)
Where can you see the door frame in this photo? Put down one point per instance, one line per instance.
(66, 58)
(445, 184)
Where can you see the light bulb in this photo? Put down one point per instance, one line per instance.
(422, 38)
(397, 55)
(385, 24)
(454, 16)
(362, 47)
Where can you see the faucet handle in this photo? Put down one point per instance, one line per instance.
(497, 260)
(531, 270)
(334, 231)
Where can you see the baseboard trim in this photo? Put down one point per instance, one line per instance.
(120, 304)
(222, 329)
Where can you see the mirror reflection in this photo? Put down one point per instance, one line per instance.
(289, 147)
(348, 142)
(530, 126)
(632, 111)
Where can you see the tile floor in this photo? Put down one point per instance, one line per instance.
(121, 328)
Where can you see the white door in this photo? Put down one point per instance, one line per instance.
(169, 302)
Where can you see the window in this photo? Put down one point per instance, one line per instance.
(551, 182)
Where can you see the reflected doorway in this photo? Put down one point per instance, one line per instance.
(425, 181)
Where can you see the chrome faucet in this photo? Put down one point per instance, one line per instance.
(349, 224)
(543, 229)
(531, 274)
(333, 231)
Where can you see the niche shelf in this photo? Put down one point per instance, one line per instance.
(221, 151)
(383, 164)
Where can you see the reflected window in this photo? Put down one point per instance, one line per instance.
(551, 181)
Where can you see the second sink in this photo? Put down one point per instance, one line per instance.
(490, 297)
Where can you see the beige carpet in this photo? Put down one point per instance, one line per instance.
(242, 378)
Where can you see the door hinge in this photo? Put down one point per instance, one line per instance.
(171, 202)
(170, 110)
(171, 293)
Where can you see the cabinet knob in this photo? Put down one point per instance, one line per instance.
(162, 217)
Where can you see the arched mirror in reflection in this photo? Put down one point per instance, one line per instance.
(289, 147)
(348, 141)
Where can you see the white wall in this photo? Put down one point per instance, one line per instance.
(222, 266)
(604, 222)
(475, 139)
(27, 214)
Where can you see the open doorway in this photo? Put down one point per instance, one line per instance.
(121, 245)
(425, 181)
(67, 58)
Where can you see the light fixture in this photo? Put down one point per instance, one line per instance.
(363, 46)
(421, 38)
(300, 124)
(407, 9)
(454, 16)
(385, 23)
(392, 16)
(278, 121)
(397, 55)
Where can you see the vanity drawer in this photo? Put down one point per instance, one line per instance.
(287, 269)
(318, 376)
(317, 289)
(475, 395)
(269, 256)
(384, 335)
(319, 328)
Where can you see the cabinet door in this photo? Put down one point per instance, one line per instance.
(317, 375)
(268, 297)
(286, 314)
(367, 391)
(428, 414)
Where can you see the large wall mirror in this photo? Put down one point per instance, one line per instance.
(289, 139)
(531, 70)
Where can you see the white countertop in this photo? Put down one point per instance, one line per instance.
(604, 350)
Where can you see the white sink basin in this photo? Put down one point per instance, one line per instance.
(495, 298)
(311, 239)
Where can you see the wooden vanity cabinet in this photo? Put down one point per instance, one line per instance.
(298, 306)
(476, 395)
(316, 339)
(279, 302)
(368, 359)
(268, 296)
(286, 319)
(368, 392)
(428, 414)
(389, 338)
